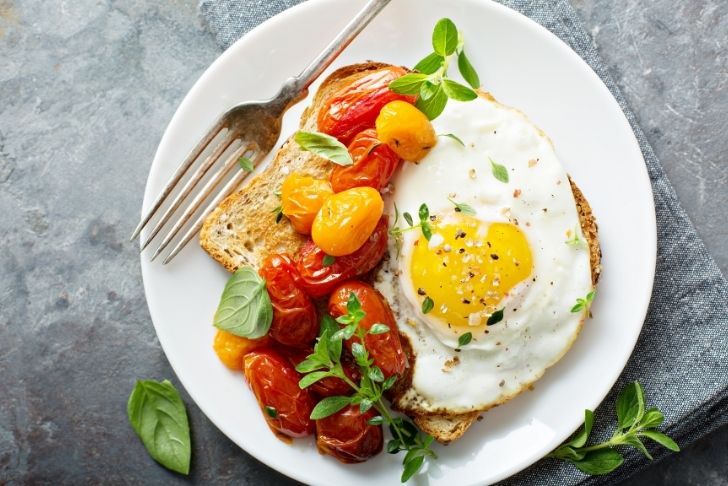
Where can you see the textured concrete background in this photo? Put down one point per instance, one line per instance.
(86, 89)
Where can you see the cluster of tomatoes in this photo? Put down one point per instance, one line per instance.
(348, 239)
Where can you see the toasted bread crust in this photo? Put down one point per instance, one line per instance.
(242, 229)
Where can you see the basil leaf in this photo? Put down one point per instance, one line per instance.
(312, 378)
(465, 339)
(652, 418)
(430, 63)
(159, 418)
(630, 405)
(324, 146)
(411, 467)
(583, 435)
(445, 37)
(452, 136)
(329, 406)
(499, 171)
(457, 91)
(433, 106)
(379, 329)
(427, 305)
(602, 461)
(468, 71)
(495, 317)
(661, 439)
(408, 84)
(245, 308)
(246, 164)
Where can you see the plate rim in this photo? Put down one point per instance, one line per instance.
(514, 15)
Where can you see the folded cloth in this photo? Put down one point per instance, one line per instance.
(680, 357)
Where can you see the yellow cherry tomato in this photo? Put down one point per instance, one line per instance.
(231, 349)
(346, 220)
(301, 198)
(406, 130)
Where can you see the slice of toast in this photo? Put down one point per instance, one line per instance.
(243, 231)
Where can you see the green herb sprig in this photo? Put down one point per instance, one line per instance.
(325, 361)
(463, 208)
(635, 422)
(584, 305)
(575, 241)
(324, 146)
(425, 224)
(246, 164)
(430, 82)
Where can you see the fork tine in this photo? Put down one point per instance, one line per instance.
(210, 186)
(190, 185)
(179, 173)
(227, 190)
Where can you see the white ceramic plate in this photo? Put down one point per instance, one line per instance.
(524, 66)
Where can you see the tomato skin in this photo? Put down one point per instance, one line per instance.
(301, 199)
(294, 316)
(231, 349)
(347, 436)
(318, 280)
(374, 164)
(385, 349)
(346, 220)
(355, 106)
(275, 384)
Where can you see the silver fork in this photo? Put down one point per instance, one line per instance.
(252, 130)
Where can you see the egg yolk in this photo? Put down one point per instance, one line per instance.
(468, 267)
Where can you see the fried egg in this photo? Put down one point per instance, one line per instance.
(506, 260)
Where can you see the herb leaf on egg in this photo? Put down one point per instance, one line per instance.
(453, 137)
(584, 305)
(499, 171)
(368, 393)
(463, 208)
(465, 339)
(427, 305)
(634, 423)
(431, 81)
(495, 317)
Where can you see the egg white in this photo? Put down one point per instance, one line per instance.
(538, 326)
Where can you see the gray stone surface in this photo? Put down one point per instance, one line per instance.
(86, 89)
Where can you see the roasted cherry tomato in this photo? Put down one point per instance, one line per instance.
(406, 130)
(355, 106)
(385, 349)
(374, 164)
(346, 220)
(301, 199)
(294, 315)
(319, 280)
(285, 406)
(347, 436)
(330, 386)
(231, 349)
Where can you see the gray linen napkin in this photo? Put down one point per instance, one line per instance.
(680, 358)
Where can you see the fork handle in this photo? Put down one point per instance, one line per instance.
(296, 88)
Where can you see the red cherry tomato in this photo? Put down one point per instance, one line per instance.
(294, 315)
(355, 106)
(348, 437)
(331, 386)
(285, 406)
(318, 280)
(374, 164)
(385, 349)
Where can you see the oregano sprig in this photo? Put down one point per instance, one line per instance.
(325, 361)
(425, 223)
(635, 423)
(430, 81)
